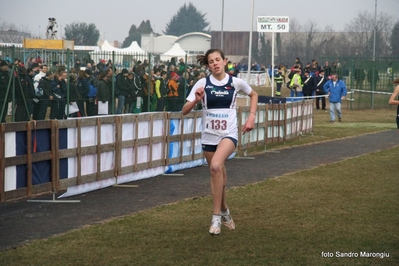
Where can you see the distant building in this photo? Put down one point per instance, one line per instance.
(235, 43)
(13, 36)
(192, 43)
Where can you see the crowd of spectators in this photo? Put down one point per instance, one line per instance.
(41, 88)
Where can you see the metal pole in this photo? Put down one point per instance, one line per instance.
(250, 47)
(373, 83)
(221, 33)
(375, 29)
(113, 83)
(272, 78)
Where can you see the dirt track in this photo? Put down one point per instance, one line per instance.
(21, 222)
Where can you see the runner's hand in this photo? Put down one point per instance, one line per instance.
(249, 124)
(199, 94)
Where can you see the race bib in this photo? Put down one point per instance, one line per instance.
(217, 123)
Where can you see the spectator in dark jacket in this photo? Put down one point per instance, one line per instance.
(74, 95)
(22, 112)
(59, 89)
(91, 98)
(30, 89)
(122, 88)
(373, 78)
(320, 80)
(83, 90)
(40, 105)
(360, 75)
(308, 85)
(103, 93)
(4, 80)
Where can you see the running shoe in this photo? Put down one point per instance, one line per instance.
(215, 227)
(228, 221)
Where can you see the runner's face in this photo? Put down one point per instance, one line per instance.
(216, 63)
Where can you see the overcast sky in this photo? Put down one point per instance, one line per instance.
(114, 18)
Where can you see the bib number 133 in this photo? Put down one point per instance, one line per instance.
(218, 125)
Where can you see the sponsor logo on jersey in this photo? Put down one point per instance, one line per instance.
(219, 93)
(209, 87)
(217, 115)
(229, 87)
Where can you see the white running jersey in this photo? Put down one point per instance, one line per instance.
(219, 115)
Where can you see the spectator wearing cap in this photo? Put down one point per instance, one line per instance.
(173, 95)
(4, 80)
(320, 80)
(308, 84)
(122, 90)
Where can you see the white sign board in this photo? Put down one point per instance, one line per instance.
(273, 24)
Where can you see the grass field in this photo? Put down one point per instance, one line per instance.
(322, 216)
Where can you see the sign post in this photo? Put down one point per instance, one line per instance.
(273, 24)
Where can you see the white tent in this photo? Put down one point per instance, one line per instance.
(106, 46)
(134, 48)
(122, 55)
(175, 51)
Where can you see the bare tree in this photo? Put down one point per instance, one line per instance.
(310, 28)
(327, 41)
(395, 40)
(385, 24)
(294, 45)
(361, 29)
(10, 33)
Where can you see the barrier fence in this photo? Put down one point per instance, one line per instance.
(84, 154)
